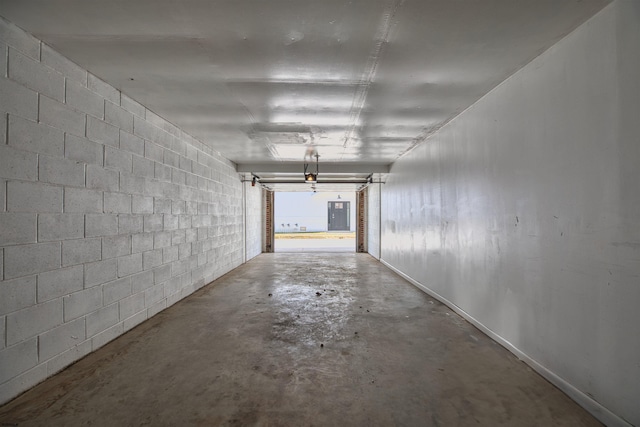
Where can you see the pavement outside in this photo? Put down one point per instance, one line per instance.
(316, 235)
(315, 242)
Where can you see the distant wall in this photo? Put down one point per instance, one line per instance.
(309, 210)
(524, 213)
(108, 213)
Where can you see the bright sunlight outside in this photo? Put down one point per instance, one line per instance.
(315, 222)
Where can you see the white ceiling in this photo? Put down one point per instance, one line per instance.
(358, 82)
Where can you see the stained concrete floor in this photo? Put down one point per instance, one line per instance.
(371, 350)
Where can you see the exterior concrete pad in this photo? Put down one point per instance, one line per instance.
(300, 339)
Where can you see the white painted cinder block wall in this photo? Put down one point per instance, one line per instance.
(253, 217)
(108, 213)
(528, 215)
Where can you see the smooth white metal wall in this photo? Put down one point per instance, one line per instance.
(373, 220)
(524, 213)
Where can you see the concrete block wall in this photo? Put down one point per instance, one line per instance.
(108, 213)
(253, 216)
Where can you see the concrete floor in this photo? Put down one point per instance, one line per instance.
(370, 350)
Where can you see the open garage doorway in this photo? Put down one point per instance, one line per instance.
(314, 222)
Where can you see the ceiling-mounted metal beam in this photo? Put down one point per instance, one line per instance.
(319, 182)
(327, 168)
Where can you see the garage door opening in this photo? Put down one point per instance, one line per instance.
(314, 222)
